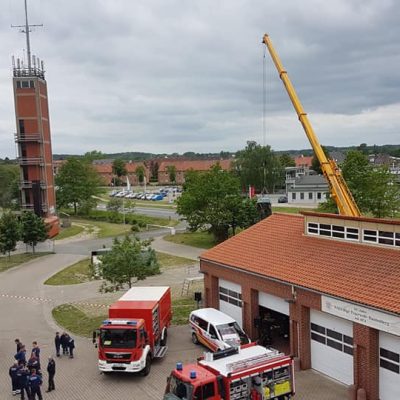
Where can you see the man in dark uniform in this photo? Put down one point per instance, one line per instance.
(23, 382)
(71, 346)
(21, 355)
(35, 381)
(19, 344)
(57, 343)
(51, 370)
(35, 350)
(34, 363)
(13, 372)
(64, 343)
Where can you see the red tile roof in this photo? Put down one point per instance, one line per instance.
(277, 248)
(302, 161)
(196, 165)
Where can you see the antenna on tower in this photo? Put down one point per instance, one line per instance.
(25, 29)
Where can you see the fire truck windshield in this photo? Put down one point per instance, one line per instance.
(180, 389)
(118, 338)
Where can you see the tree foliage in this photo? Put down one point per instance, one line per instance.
(286, 160)
(33, 229)
(258, 166)
(9, 191)
(374, 188)
(171, 169)
(118, 167)
(213, 200)
(129, 260)
(10, 233)
(140, 173)
(77, 183)
(90, 156)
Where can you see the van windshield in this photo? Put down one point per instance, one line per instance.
(118, 338)
(179, 388)
(232, 332)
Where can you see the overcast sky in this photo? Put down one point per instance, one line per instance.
(186, 75)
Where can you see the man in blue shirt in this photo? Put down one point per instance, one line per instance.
(35, 381)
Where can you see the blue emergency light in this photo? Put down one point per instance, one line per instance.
(192, 374)
(179, 366)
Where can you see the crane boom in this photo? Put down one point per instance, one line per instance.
(338, 188)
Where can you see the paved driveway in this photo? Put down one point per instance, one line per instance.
(25, 312)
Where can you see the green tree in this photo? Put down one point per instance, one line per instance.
(119, 169)
(286, 160)
(10, 233)
(258, 166)
(90, 156)
(33, 229)
(129, 260)
(115, 204)
(212, 200)
(315, 164)
(9, 191)
(171, 169)
(139, 171)
(77, 183)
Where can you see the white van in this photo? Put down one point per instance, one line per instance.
(216, 330)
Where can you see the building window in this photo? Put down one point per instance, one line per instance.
(336, 231)
(331, 338)
(389, 360)
(21, 124)
(381, 237)
(25, 84)
(230, 296)
(293, 196)
(319, 195)
(313, 228)
(302, 196)
(310, 196)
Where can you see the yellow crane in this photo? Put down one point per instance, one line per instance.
(339, 190)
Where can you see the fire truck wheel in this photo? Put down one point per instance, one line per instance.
(164, 341)
(147, 368)
(194, 338)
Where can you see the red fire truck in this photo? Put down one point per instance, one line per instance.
(136, 331)
(250, 372)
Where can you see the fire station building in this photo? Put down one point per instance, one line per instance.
(328, 287)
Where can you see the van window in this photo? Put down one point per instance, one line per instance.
(200, 322)
(212, 331)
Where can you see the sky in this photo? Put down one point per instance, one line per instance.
(177, 75)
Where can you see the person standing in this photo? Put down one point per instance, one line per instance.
(71, 346)
(64, 343)
(51, 370)
(34, 363)
(23, 382)
(13, 372)
(35, 350)
(57, 343)
(21, 355)
(19, 344)
(35, 381)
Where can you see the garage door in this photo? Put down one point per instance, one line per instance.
(389, 366)
(332, 346)
(230, 299)
(273, 303)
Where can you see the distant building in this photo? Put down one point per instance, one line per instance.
(308, 189)
(303, 161)
(104, 169)
(182, 166)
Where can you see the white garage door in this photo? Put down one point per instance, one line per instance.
(332, 346)
(273, 303)
(230, 299)
(389, 366)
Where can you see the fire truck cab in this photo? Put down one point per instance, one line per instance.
(251, 372)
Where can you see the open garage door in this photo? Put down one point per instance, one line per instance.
(230, 300)
(332, 346)
(389, 366)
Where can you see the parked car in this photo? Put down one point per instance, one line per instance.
(157, 197)
(283, 199)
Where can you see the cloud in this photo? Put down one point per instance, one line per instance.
(173, 75)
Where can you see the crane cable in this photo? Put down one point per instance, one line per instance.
(264, 114)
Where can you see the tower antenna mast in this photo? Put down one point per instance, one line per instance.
(26, 29)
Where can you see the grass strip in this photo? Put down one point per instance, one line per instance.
(79, 272)
(203, 240)
(68, 232)
(16, 259)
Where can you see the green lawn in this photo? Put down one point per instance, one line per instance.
(79, 272)
(68, 232)
(203, 240)
(181, 308)
(168, 261)
(106, 229)
(16, 259)
(76, 321)
(71, 318)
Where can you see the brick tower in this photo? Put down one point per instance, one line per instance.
(33, 137)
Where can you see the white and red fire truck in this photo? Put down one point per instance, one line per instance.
(250, 372)
(136, 331)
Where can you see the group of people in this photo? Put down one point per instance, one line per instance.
(26, 374)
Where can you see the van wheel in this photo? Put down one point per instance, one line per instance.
(194, 338)
(163, 342)
(147, 367)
